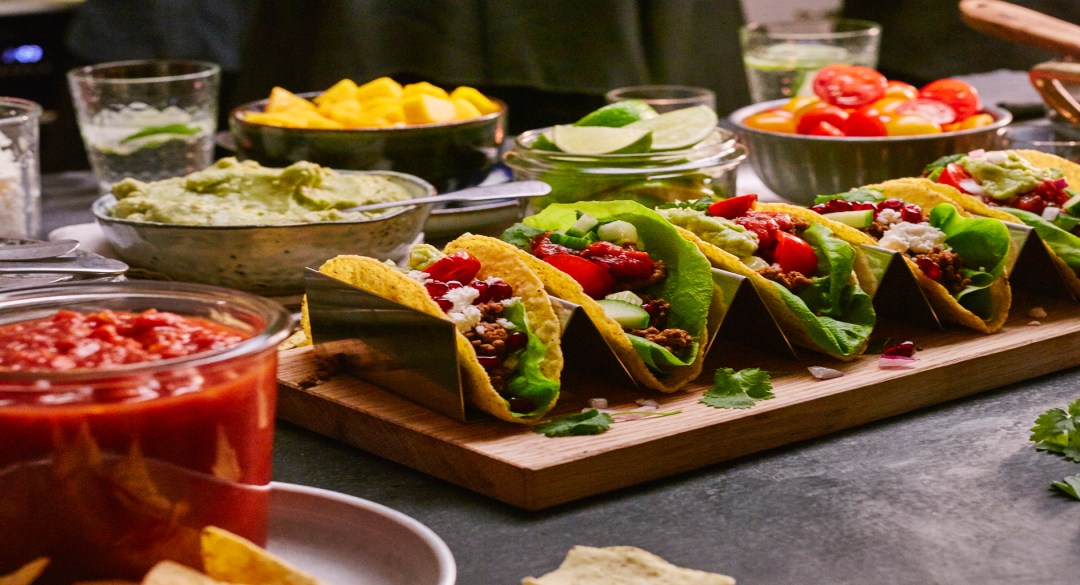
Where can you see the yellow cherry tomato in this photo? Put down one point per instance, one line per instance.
(888, 104)
(901, 90)
(772, 121)
(911, 125)
(976, 121)
(799, 102)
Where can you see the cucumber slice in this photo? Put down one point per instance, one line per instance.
(1072, 206)
(584, 223)
(625, 296)
(1066, 221)
(859, 219)
(629, 315)
(618, 232)
(572, 242)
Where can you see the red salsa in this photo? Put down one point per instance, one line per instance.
(107, 471)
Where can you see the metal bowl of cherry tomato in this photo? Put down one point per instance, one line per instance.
(859, 128)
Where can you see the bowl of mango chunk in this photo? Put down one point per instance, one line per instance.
(449, 138)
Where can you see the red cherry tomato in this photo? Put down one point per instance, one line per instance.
(814, 114)
(866, 121)
(901, 90)
(459, 266)
(936, 111)
(849, 86)
(959, 95)
(733, 207)
(952, 175)
(793, 254)
(825, 129)
(596, 281)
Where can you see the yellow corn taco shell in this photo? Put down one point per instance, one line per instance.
(496, 260)
(927, 194)
(560, 284)
(977, 206)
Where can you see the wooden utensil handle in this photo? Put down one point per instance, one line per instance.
(1022, 25)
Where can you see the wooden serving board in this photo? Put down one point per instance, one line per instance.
(511, 463)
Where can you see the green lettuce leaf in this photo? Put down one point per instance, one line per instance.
(861, 194)
(657, 357)
(983, 243)
(1064, 244)
(933, 170)
(742, 389)
(529, 382)
(688, 286)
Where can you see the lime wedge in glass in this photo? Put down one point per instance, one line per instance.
(601, 139)
(618, 114)
(678, 128)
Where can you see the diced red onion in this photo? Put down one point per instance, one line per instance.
(889, 362)
(970, 185)
(598, 403)
(647, 404)
(1051, 213)
(1060, 183)
(997, 157)
(977, 153)
(823, 373)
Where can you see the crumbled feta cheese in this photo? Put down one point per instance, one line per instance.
(461, 298)
(889, 216)
(417, 275)
(920, 238)
(506, 324)
(466, 318)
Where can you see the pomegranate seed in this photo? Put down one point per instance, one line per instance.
(516, 340)
(436, 289)
(488, 361)
(444, 304)
(452, 284)
(499, 290)
(482, 288)
(863, 206)
(891, 204)
(902, 349)
(519, 404)
(928, 267)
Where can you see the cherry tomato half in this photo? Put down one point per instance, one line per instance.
(936, 111)
(459, 266)
(959, 95)
(793, 254)
(811, 116)
(594, 279)
(952, 175)
(772, 121)
(732, 207)
(900, 89)
(849, 86)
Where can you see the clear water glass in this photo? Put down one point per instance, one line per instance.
(664, 98)
(20, 171)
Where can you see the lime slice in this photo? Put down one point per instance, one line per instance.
(601, 139)
(543, 142)
(678, 128)
(618, 114)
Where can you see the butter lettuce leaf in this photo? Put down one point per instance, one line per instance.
(529, 382)
(983, 243)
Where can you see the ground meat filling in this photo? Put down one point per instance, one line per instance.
(878, 229)
(948, 269)
(675, 340)
(793, 281)
(659, 273)
(488, 338)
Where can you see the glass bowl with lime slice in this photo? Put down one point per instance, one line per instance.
(626, 150)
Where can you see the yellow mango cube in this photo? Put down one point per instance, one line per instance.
(474, 97)
(350, 114)
(282, 119)
(340, 91)
(464, 109)
(389, 110)
(381, 87)
(422, 108)
(283, 100)
(425, 88)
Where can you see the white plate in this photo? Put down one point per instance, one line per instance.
(344, 540)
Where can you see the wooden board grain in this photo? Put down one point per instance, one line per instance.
(531, 471)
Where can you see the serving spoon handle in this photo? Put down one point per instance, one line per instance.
(484, 193)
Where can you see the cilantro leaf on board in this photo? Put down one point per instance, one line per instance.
(742, 389)
(1070, 485)
(1058, 431)
(590, 422)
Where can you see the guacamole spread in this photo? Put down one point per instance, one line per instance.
(231, 192)
(722, 233)
(1006, 178)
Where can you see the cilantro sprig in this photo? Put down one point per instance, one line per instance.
(742, 389)
(590, 422)
(1058, 431)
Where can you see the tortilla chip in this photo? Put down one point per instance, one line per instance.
(231, 558)
(172, 573)
(26, 574)
(496, 259)
(623, 565)
(922, 193)
(105, 582)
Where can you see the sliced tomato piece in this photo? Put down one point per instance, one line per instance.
(459, 266)
(793, 254)
(811, 116)
(596, 280)
(961, 96)
(849, 86)
(954, 175)
(733, 207)
(936, 111)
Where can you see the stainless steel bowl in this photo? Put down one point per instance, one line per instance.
(798, 167)
(263, 259)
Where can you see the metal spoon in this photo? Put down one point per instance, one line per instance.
(500, 191)
(75, 265)
(37, 250)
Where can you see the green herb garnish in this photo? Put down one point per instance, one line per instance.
(742, 389)
(183, 129)
(1058, 431)
(590, 422)
(1070, 485)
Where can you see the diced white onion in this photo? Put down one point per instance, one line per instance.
(997, 157)
(971, 186)
(1037, 313)
(1051, 213)
(977, 153)
(890, 362)
(598, 403)
(823, 373)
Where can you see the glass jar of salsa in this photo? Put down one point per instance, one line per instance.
(708, 169)
(132, 415)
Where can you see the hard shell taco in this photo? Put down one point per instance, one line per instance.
(507, 332)
(958, 260)
(799, 267)
(646, 289)
(1023, 186)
